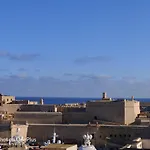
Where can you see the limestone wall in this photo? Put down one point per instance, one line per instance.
(66, 133)
(116, 134)
(38, 117)
(23, 130)
(75, 117)
(38, 107)
(11, 108)
(107, 111)
(5, 131)
(70, 109)
(132, 109)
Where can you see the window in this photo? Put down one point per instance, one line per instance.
(95, 117)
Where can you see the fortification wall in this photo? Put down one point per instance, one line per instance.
(38, 117)
(119, 134)
(70, 109)
(66, 133)
(106, 111)
(23, 130)
(38, 107)
(75, 117)
(10, 108)
(5, 131)
(132, 109)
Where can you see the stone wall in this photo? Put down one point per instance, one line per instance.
(23, 130)
(10, 108)
(116, 134)
(38, 107)
(70, 109)
(106, 111)
(5, 131)
(38, 117)
(132, 109)
(66, 133)
(75, 117)
(25, 102)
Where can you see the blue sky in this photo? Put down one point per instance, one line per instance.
(75, 48)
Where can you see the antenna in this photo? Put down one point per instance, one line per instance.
(54, 136)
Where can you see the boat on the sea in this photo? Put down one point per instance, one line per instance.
(87, 143)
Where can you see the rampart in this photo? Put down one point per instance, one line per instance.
(22, 129)
(5, 131)
(38, 117)
(74, 132)
(70, 109)
(75, 117)
(108, 111)
(132, 109)
(38, 107)
(119, 111)
(10, 108)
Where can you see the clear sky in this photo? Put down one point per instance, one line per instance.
(75, 48)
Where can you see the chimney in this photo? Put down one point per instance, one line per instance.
(104, 95)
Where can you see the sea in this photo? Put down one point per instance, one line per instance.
(63, 100)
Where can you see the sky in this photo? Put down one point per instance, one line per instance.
(77, 48)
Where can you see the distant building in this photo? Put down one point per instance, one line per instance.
(6, 99)
(120, 111)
